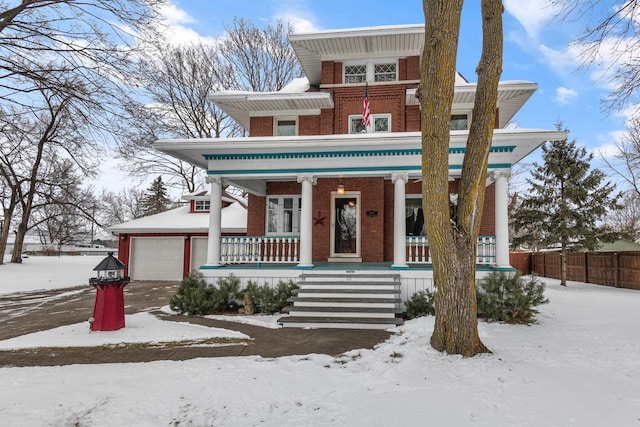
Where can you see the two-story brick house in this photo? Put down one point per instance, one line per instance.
(327, 192)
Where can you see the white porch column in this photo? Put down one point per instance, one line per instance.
(399, 220)
(306, 221)
(215, 225)
(502, 217)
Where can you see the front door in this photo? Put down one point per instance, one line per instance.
(345, 227)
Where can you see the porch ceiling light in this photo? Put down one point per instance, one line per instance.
(340, 188)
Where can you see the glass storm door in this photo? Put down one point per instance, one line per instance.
(345, 226)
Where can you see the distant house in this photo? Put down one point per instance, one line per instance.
(168, 245)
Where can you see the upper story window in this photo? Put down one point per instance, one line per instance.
(355, 73)
(202, 205)
(459, 122)
(380, 71)
(385, 72)
(379, 123)
(285, 127)
(283, 215)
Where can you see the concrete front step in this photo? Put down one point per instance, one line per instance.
(376, 312)
(337, 293)
(393, 303)
(350, 277)
(339, 322)
(350, 285)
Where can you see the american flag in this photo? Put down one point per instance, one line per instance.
(366, 119)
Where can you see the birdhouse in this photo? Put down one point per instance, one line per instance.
(110, 269)
(108, 309)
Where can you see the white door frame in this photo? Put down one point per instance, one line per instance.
(340, 257)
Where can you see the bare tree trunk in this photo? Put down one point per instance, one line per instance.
(453, 239)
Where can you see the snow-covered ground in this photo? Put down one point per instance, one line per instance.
(579, 366)
(47, 272)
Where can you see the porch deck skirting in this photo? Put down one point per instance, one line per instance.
(282, 250)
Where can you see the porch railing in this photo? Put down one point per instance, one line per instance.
(259, 249)
(418, 250)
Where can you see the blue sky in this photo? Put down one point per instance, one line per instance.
(537, 48)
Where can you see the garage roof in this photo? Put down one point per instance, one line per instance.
(181, 220)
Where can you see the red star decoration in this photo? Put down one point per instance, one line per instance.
(318, 219)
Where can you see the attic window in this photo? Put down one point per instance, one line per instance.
(202, 205)
(355, 73)
(385, 72)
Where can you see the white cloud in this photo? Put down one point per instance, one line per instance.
(532, 14)
(299, 23)
(608, 144)
(174, 15)
(565, 95)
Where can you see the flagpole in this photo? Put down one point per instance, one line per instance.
(366, 113)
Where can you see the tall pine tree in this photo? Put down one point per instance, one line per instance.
(566, 202)
(156, 199)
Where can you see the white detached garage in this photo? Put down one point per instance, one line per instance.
(168, 245)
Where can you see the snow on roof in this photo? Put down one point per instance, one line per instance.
(181, 220)
(299, 85)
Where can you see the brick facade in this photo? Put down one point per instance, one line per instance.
(376, 193)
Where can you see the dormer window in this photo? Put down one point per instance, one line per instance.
(379, 71)
(202, 206)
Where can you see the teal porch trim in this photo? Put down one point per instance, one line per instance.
(414, 168)
(211, 267)
(347, 153)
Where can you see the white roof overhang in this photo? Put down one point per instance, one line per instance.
(394, 41)
(512, 95)
(241, 106)
(249, 162)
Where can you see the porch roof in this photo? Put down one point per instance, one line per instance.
(520, 142)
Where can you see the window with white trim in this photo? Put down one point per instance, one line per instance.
(283, 215)
(285, 127)
(355, 73)
(379, 123)
(381, 70)
(202, 205)
(384, 72)
(459, 122)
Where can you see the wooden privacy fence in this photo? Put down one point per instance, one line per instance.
(617, 269)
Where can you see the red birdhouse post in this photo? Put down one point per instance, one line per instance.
(108, 309)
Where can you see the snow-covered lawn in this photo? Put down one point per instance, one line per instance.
(579, 366)
(47, 272)
(140, 328)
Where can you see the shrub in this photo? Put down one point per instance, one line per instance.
(226, 293)
(194, 296)
(509, 297)
(421, 304)
(271, 300)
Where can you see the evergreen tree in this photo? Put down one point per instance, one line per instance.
(565, 203)
(156, 199)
